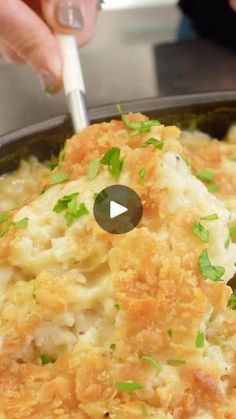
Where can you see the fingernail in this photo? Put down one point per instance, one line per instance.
(68, 14)
(49, 84)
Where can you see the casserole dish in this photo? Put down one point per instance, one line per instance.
(212, 113)
(94, 324)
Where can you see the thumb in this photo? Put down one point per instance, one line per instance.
(31, 40)
(71, 16)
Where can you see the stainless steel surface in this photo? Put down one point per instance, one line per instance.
(118, 65)
(122, 63)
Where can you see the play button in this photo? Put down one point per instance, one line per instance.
(117, 209)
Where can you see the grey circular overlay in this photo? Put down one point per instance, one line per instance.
(117, 209)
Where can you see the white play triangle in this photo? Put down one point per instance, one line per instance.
(116, 209)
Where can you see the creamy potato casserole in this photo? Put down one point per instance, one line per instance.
(99, 325)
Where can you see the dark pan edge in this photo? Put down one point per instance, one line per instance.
(45, 139)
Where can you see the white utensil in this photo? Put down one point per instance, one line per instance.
(73, 81)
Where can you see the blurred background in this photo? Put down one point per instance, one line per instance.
(141, 49)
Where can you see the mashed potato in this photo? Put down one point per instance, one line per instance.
(95, 325)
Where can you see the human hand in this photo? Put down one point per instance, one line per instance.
(26, 32)
(233, 4)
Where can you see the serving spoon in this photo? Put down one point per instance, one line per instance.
(73, 81)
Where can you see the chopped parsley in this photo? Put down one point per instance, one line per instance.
(200, 340)
(62, 153)
(232, 302)
(232, 230)
(4, 217)
(112, 346)
(127, 386)
(63, 202)
(34, 295)
(185, 159)
(6, 228)
(227, 243)
(153, 361)
(58, 177)
(73, 210)
(233, 158)
(176, 362)
(153, 141)
(46, 359)
(117, 306)
(53, 165)
(114, 162)
(212, 187)
(142, 173)
(207, 176)
(201, 231)
(93, 169)
(8, 223)
(214, 273)
(22, 223)
(210, 217)
(170, 333)
(144, 411)
(137, 127)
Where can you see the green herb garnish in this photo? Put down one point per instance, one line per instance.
(212, 187)
(114, 162)
(63, 202)
(176, 362)
(227, 243)
(232, 302)
(117, 306)
(53, 165)
(144, 411)
(9, 224)
(58, 177)
(6, 228)
(210, 217)
(73, 210)
(170, 333)
(127, 386)
(34, 295)
(46, 360)
(153, 141)
(22, 223)
(233, 158)
(153, 361)
(207, 176)
(185, 159)
(142, 173)
(137, 127)
(201, 231)
(4, 217)
(200, 340)
(112, 346)
(232, 230)
(93, 169)
(214, 273)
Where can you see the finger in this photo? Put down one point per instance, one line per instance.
(32, 40)
(233, 4)
(9, 54)
(71, 16)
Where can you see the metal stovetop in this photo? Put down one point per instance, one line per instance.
(132, 56)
